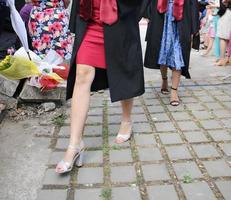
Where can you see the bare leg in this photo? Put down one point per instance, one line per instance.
(126, 125)
(80, 106)
(176, 74)
(223, 46)
(164, 75)
(210, 46)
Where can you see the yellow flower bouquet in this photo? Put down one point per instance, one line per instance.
(16, 68)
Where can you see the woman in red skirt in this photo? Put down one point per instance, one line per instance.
(107, 54)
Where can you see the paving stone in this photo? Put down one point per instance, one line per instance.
(187, 168)
(123, 174)
(222, 113)
(227, 104)
(179, 108)
(200, 93)
(159, 117)
(94, 119)
(144, 139)
(188, 126)
(139, 118)
(195, 106)
(122, 155)
(91, 194)
(189, 99)
(170, 138)
(226, 148)
(64, 131)
(227, 123)
(149, 154)
(165, 126)
(207, 99)
(178, 152)
(224, 187)
(114, 119)
(142, 128)
(91, 142)
(195, 137)
(162, 192)
(52, 178)
(198, 191)
(155, 172)
(214, 106)
(156, 109)
(216, 92)
(137, 102)
(95, 111)
(52, 194)
(223, 98)
(152, 102)
(55, 157)
(115, 145)
(210, 124)
(219, 135)
(93, 130)
(128, 193)
(93, 157)
(202, 114)
(217, 168)
(205, 151)
(113, 129)
(90, 175)
(137, 109)
(181, 116)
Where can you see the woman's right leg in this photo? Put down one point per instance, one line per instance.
(164, 75)
(79, 107)
(210, 46)
(223, 46)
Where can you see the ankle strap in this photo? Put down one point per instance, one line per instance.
(76, 147)
(174, 88)
(165, 78)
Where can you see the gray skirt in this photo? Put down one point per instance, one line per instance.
(224, 25)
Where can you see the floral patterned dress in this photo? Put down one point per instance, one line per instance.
(48, 27)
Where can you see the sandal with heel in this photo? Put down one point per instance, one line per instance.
(124, 137)
(174, 102)
(164, 91)
(77, 160)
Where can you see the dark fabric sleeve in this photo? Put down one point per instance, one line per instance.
(73, 15)
(195, 17)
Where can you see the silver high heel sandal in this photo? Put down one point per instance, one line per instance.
(77, 160)
(124, 137)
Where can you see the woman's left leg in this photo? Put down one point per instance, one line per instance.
(174, 99)
(125, 131)
(223, 46)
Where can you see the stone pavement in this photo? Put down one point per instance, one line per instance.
(175, 153)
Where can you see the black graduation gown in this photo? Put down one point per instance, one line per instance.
(124, 75)
(188, 26)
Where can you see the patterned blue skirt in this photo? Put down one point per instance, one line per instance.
(171, 51)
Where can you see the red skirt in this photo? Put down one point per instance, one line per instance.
(92, 50)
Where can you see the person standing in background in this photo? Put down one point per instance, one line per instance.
(171, 27)
(48, 28)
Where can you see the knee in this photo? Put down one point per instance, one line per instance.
(84, 76)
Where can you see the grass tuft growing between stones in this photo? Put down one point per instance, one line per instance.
(59, 119)
(106, 194)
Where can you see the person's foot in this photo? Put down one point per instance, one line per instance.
(164, 88)
(174, 100)
(72, 155)
(222, 62)
(124, 133)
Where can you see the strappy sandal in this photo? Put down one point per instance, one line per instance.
(64, 166)
(164, 91)
(174, 102)
(124, 137)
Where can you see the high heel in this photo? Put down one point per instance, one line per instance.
(174, 102)
(64, 166)
(79, 160)
(164, 91)
(124, 137)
